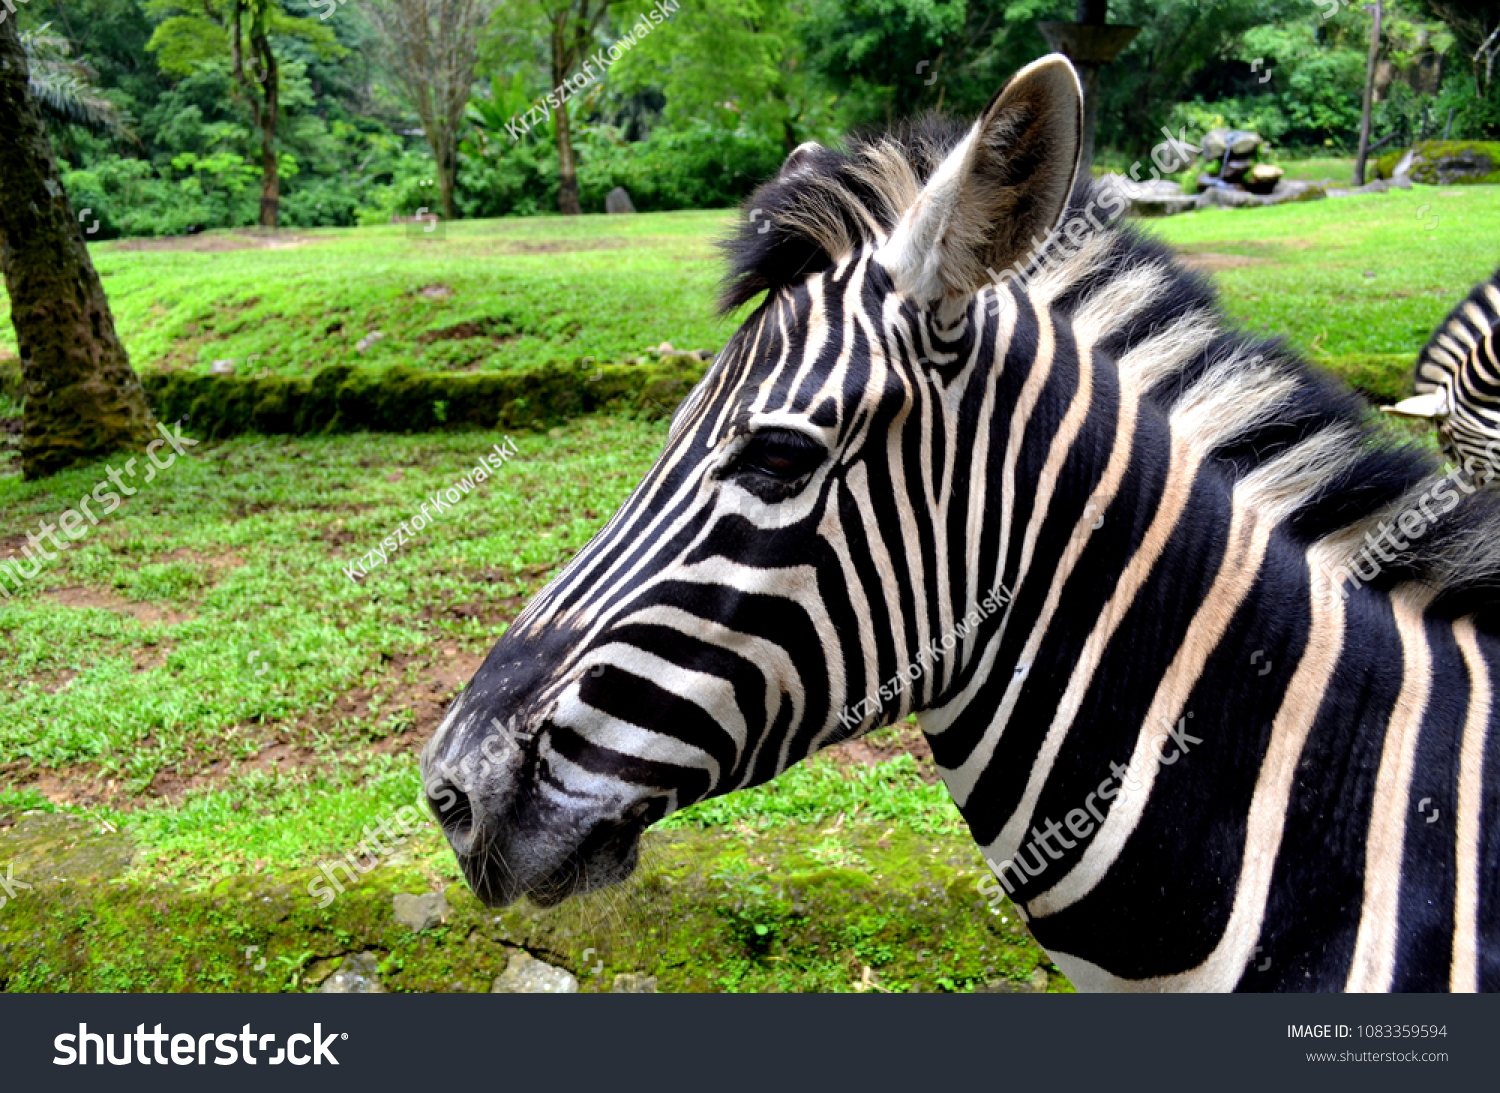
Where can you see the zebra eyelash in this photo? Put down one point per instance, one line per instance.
(773, 463)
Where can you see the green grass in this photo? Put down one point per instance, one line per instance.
(500, 294)
(1318, 168)
(1358, 283)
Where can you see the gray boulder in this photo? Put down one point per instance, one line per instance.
(630, 983)
(418, 913)
(525, 974)
(1159, 197)
(356, 975)
(1238, 143)
(618, 201)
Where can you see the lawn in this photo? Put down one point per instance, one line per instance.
(1340, 169)
(489, 294)
(199, 691)
(1358, 282)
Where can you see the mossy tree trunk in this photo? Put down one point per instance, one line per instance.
(82, 398)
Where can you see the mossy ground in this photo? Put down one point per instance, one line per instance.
(709, 910)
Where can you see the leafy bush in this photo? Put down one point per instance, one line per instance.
(1475, 116)
(130, 197)
(1258, 114)
(518, 180)
(700, 167)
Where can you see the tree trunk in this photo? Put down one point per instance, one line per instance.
(567, 169)
(565, 54)
(269, 111)
(1364, 117)
(82, 398)
(444, 145)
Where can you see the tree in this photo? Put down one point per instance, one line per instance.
(743, 61)
(63, 88)
(82, 399)
(192, 36)
(572, 25)
(1369, 99)
(431, 48)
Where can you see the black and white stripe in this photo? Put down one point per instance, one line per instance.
(1166, 504)
(1458, 383)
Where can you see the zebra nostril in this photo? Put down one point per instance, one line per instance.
(455, 812)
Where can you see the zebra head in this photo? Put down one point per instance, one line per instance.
(767, 590)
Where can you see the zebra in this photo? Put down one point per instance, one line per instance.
(1114, 532)
(1458, 382)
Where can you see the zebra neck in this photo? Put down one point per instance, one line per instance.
(1141, 584)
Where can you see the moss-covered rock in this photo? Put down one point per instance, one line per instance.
(1385, 166)
(1446, 162)
(344, 399)
(706, 912)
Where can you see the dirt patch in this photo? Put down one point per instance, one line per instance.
(498, 331)
(902, 739)
(219, 563)
(488, 612)
(563, 246)
(1210, 262)
(51, 680)
(146, 613)
(218, 241)
(147, 657)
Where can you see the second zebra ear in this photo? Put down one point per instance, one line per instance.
(999, 192)
(1430, 407)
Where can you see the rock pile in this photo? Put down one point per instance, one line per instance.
(1230, 159)
(1233, 177)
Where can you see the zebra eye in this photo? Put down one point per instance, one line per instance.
(779, 454)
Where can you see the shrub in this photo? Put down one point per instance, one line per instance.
(700, 167)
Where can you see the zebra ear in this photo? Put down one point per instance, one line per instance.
(1428, 407)
(998, 194)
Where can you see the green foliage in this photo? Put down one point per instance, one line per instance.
(130, 197)
(64, 88)
(703, 106)
(700, 166)
(192, 32)
(737, 65)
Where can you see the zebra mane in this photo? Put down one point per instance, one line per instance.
(1302, 444)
